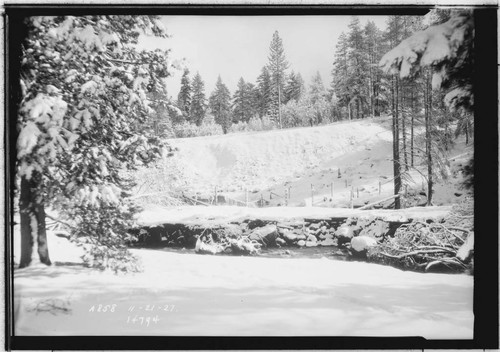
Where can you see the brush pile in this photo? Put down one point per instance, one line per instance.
(432, 246)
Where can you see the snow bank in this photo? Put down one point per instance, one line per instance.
(246, 296)
(155, 215)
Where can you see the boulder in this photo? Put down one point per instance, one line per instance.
(311, 243)
(327, 242)
(301, 237)
(255, 223)
(344, 234)
(301, 243)
(289, 236)
(265, 235)
(362, 243)
(314, 227)
(312, 238)
(280, 242)
(376, 229)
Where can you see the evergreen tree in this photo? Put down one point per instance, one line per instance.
(184, 97)
(359, 67)
(198, 101)
(220, 105)
(277, 66)
(317, 89)
(264, 92)
(340, 73)
(442, 55)
(374, 50)
(242, 102)
(80, 120)
(253, 100)
(294, 88)
(318, 100)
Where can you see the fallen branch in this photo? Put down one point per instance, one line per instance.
(379, 201)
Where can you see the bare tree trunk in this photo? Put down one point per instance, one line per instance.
(428, 137)
(466, 133)
(395, 144)
(32, 223)
(412, 126)
(403, 126)
(279, 103)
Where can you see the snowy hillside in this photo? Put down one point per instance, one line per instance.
(314, 165)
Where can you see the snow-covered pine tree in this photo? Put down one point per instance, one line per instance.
(264, 92)
(198, 105)
(184, 97)
(84, 97)
(443, 55)
(277, 66)
(447, 50)
(318, 99)
(241, 102)
(358, 77)
(340, 74)
(252, 101)
(294, 88)
(220, 105)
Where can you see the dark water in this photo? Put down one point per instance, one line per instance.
(331, 252)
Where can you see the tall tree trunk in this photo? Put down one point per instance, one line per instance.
(403, 125)
(395, 144)
(466, 133)
(32, 223)
(412, 127)
(428, 137)
(279, 104)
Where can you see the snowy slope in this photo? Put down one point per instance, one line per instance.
(317, 165)
(258, 160)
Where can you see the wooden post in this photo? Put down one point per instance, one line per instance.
(215, 199)
(312, 194)
(352, 196)
(339, 176)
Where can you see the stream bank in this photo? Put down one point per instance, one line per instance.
(345, 234)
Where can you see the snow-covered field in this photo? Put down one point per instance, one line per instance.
(188, 294)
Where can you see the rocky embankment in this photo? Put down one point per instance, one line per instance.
(413, 238)
(357, 232)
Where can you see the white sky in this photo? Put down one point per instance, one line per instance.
(238, 46)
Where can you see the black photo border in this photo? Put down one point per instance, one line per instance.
(486, 332)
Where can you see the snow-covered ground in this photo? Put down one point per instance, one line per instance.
(155, 215)
(188, 294)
